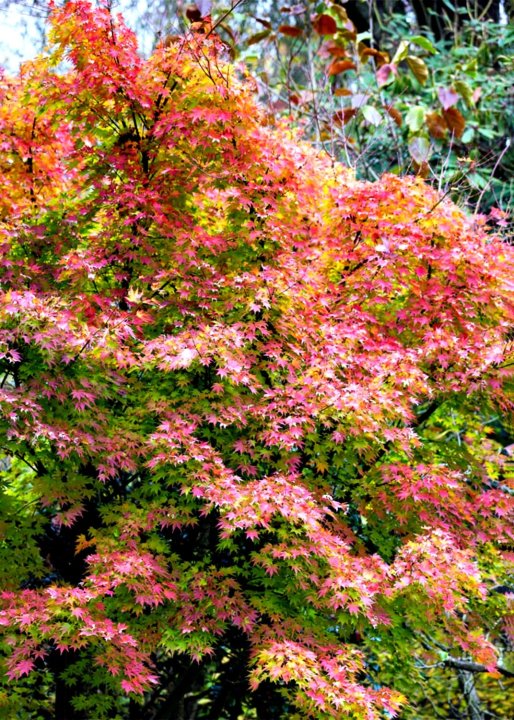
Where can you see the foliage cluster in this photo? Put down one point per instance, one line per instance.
(392, 98)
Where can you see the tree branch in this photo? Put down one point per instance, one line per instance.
(470, 666)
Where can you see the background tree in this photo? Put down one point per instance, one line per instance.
(444, 110)
(383, 97)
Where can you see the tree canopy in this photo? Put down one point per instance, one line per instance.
(253, 464)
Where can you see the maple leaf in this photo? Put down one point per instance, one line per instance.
(22, 668)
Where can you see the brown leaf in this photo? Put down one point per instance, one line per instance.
(421, 169)
(342, 92)
(262, 35)
(290, 31)
(381, 58)
(418, 68)
(193, 14)
(436, 125)
(343, 116)
(324, 25)
(455, 121)
(339, 66)
(264, 22)
(349, 35)
(333, 48)
(394, 114)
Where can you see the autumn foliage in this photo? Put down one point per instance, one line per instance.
(247, 400)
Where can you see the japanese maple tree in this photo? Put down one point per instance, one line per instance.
(248, 403)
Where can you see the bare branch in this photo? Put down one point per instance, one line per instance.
(470, 666)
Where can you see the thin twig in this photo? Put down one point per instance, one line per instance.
(224, 16)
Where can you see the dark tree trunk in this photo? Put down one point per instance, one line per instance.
(64, 693)
(468, 689)
(359, 13)
(437, 16)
